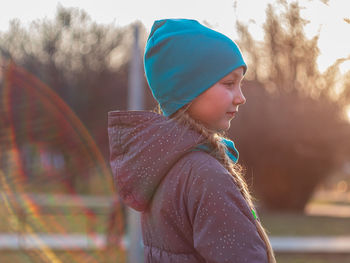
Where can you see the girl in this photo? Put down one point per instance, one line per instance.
(176, 166)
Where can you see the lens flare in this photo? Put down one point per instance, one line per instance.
(54, 182)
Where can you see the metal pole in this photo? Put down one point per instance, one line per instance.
(135, 102)
(136, 81)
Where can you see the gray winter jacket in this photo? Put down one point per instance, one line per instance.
(191, 209)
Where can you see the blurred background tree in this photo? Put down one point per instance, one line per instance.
(84, 63)
(293, 131)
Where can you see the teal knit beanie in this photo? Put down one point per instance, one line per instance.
(184, 58)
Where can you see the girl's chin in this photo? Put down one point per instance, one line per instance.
(224, 126)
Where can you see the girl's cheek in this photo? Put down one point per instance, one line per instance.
(229, 94)
(227, 91)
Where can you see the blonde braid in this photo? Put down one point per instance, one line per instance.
(236, 170)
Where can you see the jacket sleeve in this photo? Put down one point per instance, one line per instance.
(223, 226)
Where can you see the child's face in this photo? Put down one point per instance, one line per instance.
(211, 107)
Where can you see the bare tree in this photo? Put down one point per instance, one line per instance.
(292, 133)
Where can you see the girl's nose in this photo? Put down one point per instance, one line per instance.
(239, 99)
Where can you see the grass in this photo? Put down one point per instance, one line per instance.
(292, 224)
(86, 256)
(330, 202)
(67, 222)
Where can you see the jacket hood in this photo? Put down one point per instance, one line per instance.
(144, 146)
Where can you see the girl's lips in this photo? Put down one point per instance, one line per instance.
(232, 114)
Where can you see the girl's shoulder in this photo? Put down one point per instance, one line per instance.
(201, 159)
(210, 180)
(202, 166)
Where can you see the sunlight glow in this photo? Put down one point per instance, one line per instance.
(348, 112)
(345, 66)
(328, 19)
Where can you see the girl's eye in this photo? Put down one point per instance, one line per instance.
(233, 83)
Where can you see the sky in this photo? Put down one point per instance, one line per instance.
(328, 18)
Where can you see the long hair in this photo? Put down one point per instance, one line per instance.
(235, 169)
